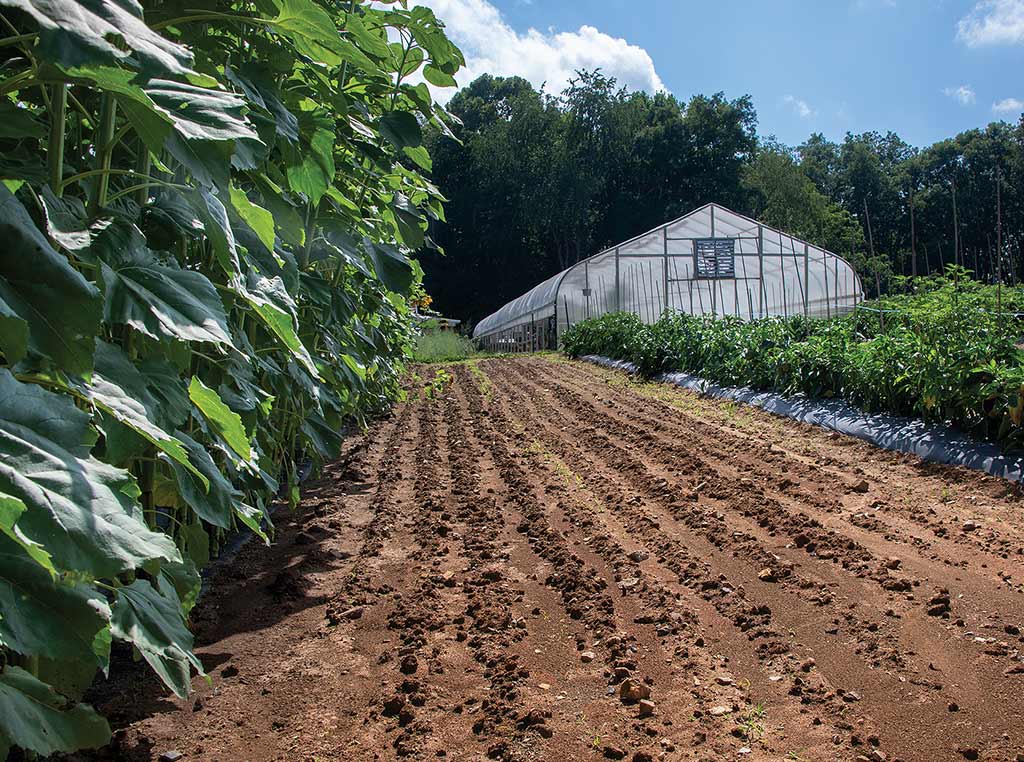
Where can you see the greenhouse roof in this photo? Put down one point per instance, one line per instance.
(755, 270)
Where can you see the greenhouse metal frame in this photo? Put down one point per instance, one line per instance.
(710, 261)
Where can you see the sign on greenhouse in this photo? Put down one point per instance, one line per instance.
(715, 257)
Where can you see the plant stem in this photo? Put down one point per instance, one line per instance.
(55, 153)
(5, 41)
(105, 150)
(142, 165)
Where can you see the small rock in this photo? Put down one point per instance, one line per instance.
(171, 756)
(970, 525)
(851, 696)
(952, 706)
(409, 664)
(766, 575)
(646, 708)
(718, 711)
(533, 717)
(587, 656)
(613, 752)
(394, 705)
(356, 612)
(723, 680)
(968, 752)
(638, 556)
(633, 690)
(643, 756)
(807, 665)
(862, 486)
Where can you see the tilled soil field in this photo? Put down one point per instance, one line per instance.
(544, 560)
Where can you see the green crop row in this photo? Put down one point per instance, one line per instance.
(947, 350)
(206, 212)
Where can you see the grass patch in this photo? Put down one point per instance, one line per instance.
(443, 346)
(483, 383)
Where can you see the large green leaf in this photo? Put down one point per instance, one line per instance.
(17, 122)
(184, 579)
(409, 221)
(13, 333)
(11, 509)
(400, 128)
(214, 216)
(324, 438)
(82, 511)
(151, 620)
(166, 386)
(201, 113)
(101, 32)
(212, 502)
(256, 217)
(34, 717)
(392, 267)
(310, 30)
(223, 420)
(160, 300)
(119, 389)
(67, 223)
(61, 308)
(259, 87)
(45, 617)
(311, 165)
(252, 518)
(271, 301)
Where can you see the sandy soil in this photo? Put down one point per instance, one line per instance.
(550, 561)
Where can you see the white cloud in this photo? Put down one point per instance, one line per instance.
(993, 22)
(1008, 106)
(491, 46)
(963, 94)
(800, 107)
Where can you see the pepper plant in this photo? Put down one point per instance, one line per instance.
(206, 212)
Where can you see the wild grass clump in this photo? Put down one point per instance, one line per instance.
(442, 346)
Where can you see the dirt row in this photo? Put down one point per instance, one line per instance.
(533, 559)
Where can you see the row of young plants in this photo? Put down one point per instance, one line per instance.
(206, 209)
(942, 351)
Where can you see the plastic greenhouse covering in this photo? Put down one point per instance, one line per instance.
(710, 261)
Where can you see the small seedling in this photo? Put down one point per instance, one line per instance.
(751, 723)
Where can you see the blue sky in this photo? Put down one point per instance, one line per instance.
(925, 69)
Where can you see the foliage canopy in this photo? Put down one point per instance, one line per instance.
(207, 210)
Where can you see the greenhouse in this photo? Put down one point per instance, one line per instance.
(710, 261)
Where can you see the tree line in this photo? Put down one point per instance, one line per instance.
(537, 182)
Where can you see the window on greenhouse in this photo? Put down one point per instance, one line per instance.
(715, 257)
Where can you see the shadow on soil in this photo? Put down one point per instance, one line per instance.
(258, 588)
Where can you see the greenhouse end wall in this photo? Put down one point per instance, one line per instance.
(711, 261)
